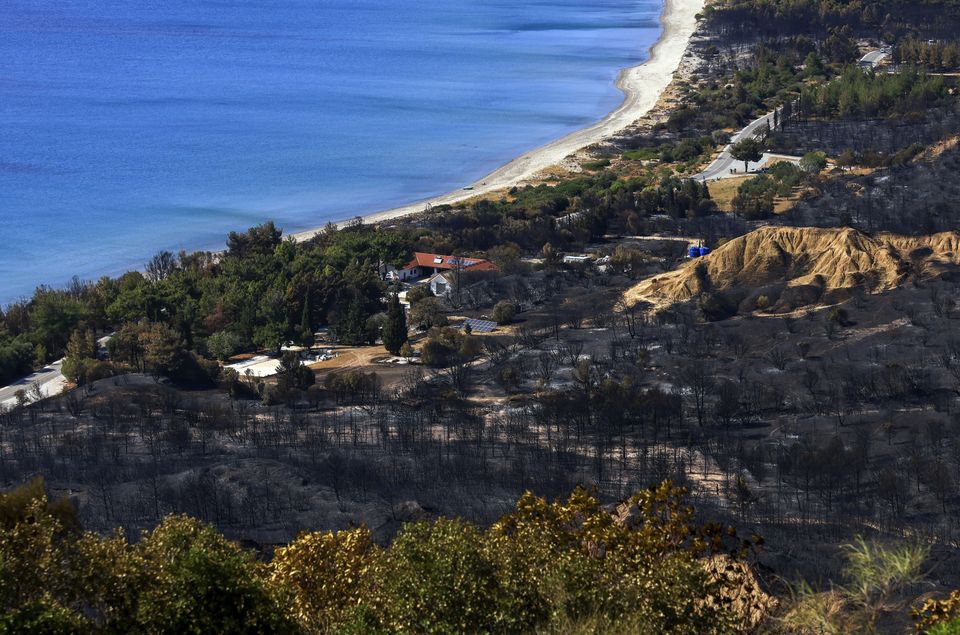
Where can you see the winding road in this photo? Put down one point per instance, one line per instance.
(722, 165)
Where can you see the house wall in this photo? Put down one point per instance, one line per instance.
(439, 286)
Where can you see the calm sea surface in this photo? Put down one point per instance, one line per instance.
(130, 126)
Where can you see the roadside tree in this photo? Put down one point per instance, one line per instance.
(749, 151)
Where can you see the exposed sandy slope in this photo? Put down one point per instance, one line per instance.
(795, 266)
(642, 86)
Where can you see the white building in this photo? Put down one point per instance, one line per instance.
(441, 284)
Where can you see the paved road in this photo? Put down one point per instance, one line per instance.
(50, 379)
(722, 165)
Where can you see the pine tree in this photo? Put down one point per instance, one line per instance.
(748, 151)
(352, 326)
(395, 328)
(306, 326)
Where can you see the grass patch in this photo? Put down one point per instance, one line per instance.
(643, 154)
(597, 165)
(723, 191)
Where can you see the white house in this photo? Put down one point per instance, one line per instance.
(403, 275)
(441, 284)
(423, 265)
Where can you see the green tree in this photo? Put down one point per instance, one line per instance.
(53, 317)
(224, 344)
(126, 347)
(293, 375)
(507, 258)
(754, 199)
(163, 350)
(446, 345)
(419, 292)
(306, 321)
(44, 617)
(395, 327)
(427, 313)
(351, 326)
(135, 299)
(847, 159)
(270, 335)
(813, 162)
(81, 349)
(35, 535)
(16, 357)
(748, 150)
(261, 240)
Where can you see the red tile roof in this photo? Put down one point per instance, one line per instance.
(438, 261)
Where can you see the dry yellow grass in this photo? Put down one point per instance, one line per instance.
(938, 148)
(723, 191)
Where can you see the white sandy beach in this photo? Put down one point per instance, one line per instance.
(642, 86)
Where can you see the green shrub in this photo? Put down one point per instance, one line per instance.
(436, 578)
(754, 199)
(813, 162)
(504, 312)
(224, 344)
(597, 165)
(444, 346)
(86, 370)
(44, 617)
(945, 628)
(199, 582)
(643, 154)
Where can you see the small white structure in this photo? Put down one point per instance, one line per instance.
(290, 347)
(873, 59)
(569, 219)
(441, 284)
(258, 366)
(402, 275)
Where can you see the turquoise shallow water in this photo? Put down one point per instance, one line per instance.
(130, 126)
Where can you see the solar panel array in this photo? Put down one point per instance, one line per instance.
(480, 326)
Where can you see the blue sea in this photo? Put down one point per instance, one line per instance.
(132, 126)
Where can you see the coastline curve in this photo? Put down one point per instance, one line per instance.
(642, 86)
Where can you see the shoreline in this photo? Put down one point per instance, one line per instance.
(642, 85)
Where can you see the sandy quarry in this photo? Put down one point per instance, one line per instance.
(795, 266)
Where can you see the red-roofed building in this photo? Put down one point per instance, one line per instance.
(423, 265)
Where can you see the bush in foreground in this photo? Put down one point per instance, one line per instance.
(565, 566)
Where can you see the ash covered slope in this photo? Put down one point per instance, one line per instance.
(797, 266)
